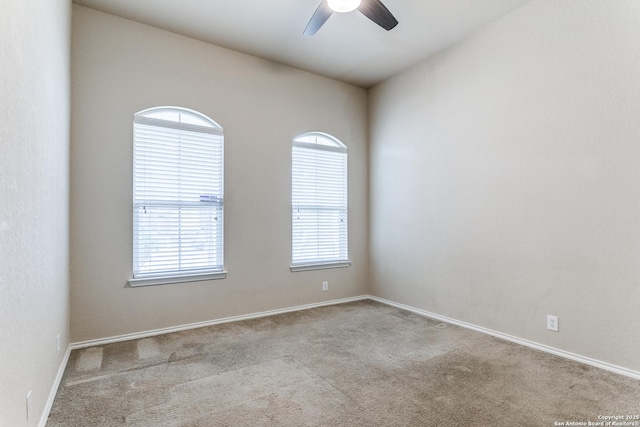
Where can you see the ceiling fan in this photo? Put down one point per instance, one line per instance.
(372, 9)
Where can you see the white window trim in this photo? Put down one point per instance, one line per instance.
(339, 147)
(320, 266)
(211, 128)
(183, 278)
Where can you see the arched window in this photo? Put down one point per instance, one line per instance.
(319, 202)
(178, 197)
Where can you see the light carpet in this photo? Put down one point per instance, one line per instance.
(356, 364)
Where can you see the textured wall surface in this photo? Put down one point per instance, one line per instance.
(505, 183)
(120, 67)
(34, 202)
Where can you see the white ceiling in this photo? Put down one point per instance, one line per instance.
(348, 47)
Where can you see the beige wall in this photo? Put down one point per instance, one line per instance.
(120, 67)
(505, 183)
(34, 202)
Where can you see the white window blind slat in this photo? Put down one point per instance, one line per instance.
(319, 200)
(178, 204)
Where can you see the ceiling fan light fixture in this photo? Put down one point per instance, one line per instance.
(343, 6)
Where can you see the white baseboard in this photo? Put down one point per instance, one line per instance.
(154, 332)
(531, 344)
(54, 388)
(562, 353)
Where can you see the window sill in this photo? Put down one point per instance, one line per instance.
(166, 280)
(307, 267)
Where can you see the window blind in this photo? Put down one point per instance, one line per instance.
(319, 202)
(177, 195)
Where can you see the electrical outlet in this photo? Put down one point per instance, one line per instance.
(58, 344)
(552, 323)
(27, 404)
(325, 286)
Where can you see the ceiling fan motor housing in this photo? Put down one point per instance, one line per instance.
(372, 9)
(343, 6)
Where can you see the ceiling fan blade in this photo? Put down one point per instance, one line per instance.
(320, 16)
(378, 13)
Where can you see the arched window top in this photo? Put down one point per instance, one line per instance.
(320, 141)
(176, 117)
